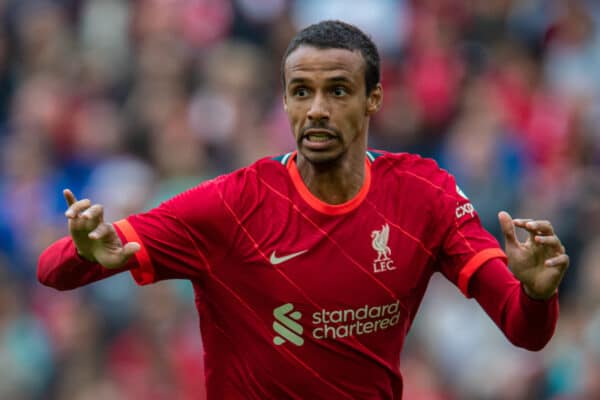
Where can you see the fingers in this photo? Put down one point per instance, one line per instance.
(85, 217)
(552, 242)
(102, 231)
(69, 197)
(77, 207)
(560, 262)
(83, 209)
(131, 248)
(91, 218)
(122, 255)
(94, 212)
(81, 212)
(539, 227)
(540, 232)
(508, 229)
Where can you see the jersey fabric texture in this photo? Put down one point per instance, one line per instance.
(302, 299)
(222, 236)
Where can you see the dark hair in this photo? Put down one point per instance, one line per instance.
(332, 34)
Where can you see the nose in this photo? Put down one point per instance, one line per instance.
(318, 110)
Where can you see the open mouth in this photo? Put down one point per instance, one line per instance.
(319, 137)
(318, 140)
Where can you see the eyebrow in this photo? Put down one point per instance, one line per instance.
(294, 81)
(334, 79)
(339, 79)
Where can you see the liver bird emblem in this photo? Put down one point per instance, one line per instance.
(380, 240)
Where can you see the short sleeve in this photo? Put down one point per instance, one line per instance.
(466, 244)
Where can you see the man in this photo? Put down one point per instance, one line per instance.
(309, 268)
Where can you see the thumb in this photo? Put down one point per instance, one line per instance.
(131, 248)
(508, 228)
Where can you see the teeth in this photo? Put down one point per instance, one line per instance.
(318, 138)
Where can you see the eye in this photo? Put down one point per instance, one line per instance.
(300, 92)
(340, 91)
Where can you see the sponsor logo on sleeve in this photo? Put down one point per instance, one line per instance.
(464, 209)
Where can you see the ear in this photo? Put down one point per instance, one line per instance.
(375, 99)
(285, 102)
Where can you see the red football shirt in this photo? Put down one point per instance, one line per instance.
(299, 297)
(302, 299)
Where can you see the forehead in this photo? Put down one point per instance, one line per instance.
(308, 61)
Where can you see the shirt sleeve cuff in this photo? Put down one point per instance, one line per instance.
(474, 264)
(540, 312)
(531, 302)
(145, 273)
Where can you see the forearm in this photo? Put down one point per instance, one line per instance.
(60, 267)
(526, 322)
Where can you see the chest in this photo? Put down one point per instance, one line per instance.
(331, 262)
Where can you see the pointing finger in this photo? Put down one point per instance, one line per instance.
(69, 197)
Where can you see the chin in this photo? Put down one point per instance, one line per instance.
(321, 158)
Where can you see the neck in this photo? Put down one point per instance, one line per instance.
(336, 182)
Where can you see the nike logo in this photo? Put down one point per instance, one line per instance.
(278, 260)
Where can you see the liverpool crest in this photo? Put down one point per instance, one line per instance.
(383, 262)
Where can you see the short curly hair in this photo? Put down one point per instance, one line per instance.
(333, 34)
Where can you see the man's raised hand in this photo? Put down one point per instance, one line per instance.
(95, 239)
(540, 262)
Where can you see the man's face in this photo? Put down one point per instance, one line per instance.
(326, 102)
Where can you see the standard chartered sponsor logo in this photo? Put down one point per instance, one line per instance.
(287, 327)
(334, 324)
(354, 322)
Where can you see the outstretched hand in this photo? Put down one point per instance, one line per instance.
(540, 262)
(95, 239)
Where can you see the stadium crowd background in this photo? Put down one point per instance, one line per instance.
(130, 102)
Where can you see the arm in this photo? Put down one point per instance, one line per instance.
(60, 267)
(93, 251)
(526, 322)
(524, 303)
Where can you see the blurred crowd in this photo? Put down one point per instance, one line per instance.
(130, 102)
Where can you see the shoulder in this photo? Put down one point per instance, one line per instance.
(241, 189)
(408, 167)
(245, 183)
(253, 178)
(244, 178)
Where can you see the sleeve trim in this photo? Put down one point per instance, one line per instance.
(145, 273)
(474, 264)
